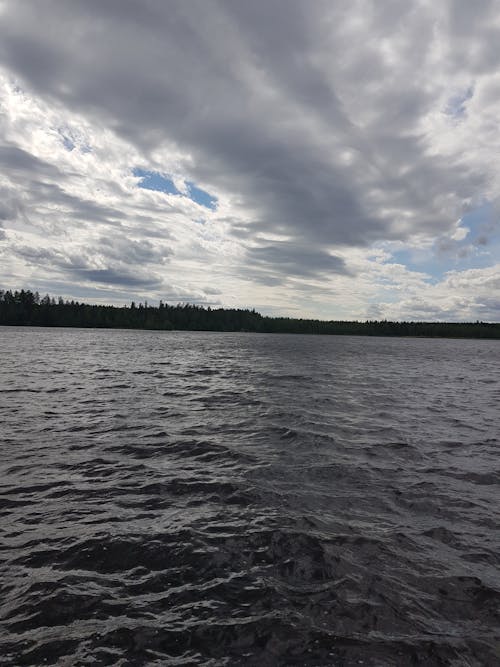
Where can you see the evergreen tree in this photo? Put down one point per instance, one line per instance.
(26, 308)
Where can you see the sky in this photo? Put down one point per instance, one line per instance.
(329, 159)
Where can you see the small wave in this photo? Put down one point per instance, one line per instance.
(227, 499)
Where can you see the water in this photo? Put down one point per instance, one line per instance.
(238, 499)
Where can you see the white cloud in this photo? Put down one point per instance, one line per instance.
(332, 135)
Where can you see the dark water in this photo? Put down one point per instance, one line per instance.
(236, 499)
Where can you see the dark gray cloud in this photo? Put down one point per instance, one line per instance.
(85, 210)
(290, 259)
(116, 277)
(15, 159)
(132, 252)
(10, 206)
(250, 90)
(81, 268)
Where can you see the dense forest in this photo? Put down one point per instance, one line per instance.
(26, 308)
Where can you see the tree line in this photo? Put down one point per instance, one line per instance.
(27, 308)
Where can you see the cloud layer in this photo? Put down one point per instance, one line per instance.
(325, 159)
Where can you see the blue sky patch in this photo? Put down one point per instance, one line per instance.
(421, 261)
(152, 180)
(456, 104)
(448, 254)
(201, 197)
(479, 219)
(68, 144)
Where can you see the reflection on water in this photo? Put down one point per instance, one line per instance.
(239, 499)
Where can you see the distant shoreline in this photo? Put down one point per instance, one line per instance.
(26, 308)
(242, 331)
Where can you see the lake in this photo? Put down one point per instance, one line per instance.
(186, 498)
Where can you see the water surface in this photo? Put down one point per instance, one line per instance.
(175, 498)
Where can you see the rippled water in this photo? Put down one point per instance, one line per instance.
(238, 499)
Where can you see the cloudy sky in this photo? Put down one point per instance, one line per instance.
(313, 158)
